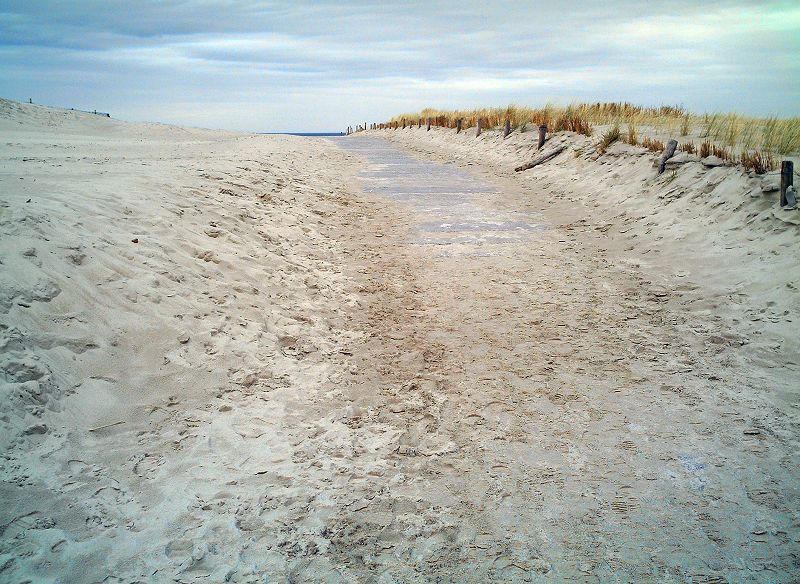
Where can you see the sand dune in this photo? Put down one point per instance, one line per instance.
(153, 279)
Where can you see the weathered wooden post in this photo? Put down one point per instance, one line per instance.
(419, 125)
(507, 129)
(429, 125)
(404, 123)
(478, 129)
(669, 152)
(542, 136)
(458, 126)
(787, 179)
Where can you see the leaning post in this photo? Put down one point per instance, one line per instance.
(429, 125)
(507, 129)
(458, 126)
(669, 152)
(787, 179)
(542, 136)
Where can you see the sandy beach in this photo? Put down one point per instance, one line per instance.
(388, 357)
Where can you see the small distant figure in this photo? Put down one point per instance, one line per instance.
(30, 100)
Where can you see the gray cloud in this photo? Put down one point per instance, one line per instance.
(295, 66)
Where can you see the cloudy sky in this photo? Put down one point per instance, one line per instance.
(306, 66)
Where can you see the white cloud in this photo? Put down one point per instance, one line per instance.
(281, 65)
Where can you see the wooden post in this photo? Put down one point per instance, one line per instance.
(507, 129)
(404, 123)
(542, 136)
(669, 152)
(429, 125)
(458, 126)
(478, 130)
(787, 179)
(419, 125)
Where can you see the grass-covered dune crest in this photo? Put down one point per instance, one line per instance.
(734, 137)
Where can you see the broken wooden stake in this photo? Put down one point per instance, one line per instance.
(478, 130)
(507, 129)
(542, 136)
(429, 125)
(669, 152)
(542, 158)
(458, 126)
(787, 179)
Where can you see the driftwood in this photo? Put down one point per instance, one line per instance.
(542, 158)
(117, 423)
(669, 152)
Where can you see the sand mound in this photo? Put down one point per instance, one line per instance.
(150, 275)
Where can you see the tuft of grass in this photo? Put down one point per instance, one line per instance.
(653, 145)
(712, 126)
(688, 147)
(781, 136)
(608, 138)
(708, 148)
(732, 129)
(685, 125)
(572, 121)
(633, 138)
(760, 162)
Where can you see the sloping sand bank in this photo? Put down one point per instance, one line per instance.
(168, 296)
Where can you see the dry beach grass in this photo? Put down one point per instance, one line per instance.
(734, 137)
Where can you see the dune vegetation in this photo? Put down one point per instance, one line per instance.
(754, 142)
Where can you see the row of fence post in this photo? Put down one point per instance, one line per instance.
(429, 121)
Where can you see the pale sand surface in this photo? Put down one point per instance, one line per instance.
(325, 373)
